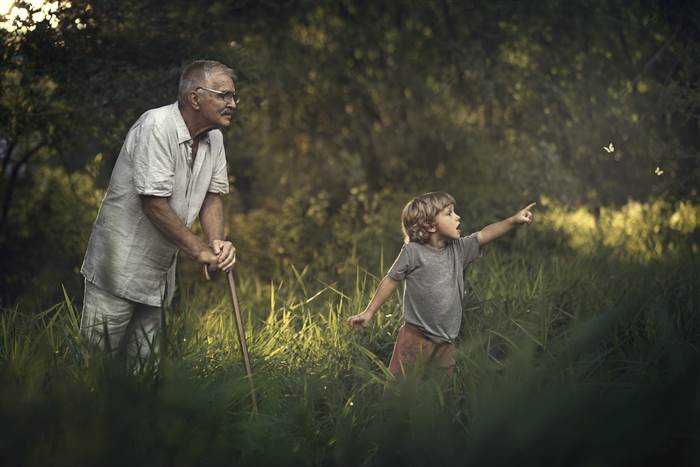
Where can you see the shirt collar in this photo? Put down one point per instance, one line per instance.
(183, 134)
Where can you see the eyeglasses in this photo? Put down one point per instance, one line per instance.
(229, 96)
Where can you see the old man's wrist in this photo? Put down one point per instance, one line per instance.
(210, 243)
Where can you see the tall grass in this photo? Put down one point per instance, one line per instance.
(586, 360)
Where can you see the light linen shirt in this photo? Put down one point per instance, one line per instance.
(126, 255)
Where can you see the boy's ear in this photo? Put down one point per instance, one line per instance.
(431, 227)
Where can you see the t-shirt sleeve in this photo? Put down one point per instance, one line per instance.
(219, 179)
(154, 165)
(403, 264)
(470, 248)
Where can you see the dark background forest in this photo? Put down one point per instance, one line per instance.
(348, 109)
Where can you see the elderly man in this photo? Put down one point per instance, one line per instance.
(171, 168)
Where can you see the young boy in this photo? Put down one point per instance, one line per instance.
(432, 264)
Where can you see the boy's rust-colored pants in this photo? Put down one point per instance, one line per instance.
(412, 345)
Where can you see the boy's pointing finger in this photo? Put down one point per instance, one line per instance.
(530, 206)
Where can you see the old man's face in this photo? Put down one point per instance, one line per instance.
(218, 100)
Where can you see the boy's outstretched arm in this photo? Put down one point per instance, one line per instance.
(492, 231)
(385, 289)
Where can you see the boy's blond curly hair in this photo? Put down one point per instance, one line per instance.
(418, 216)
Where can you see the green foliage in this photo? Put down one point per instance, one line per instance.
(638, 231)
(54, 222)
(349, 108)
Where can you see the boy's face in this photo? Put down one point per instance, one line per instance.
(447, 223)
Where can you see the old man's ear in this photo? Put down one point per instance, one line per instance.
(194, 100)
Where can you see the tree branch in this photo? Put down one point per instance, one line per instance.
(9, 190)
(8, 155)
(656, 56)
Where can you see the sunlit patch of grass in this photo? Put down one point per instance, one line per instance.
(643, 231)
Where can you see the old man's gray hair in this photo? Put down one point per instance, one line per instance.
(197, 74)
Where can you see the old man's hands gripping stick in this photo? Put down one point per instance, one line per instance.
(240, 331)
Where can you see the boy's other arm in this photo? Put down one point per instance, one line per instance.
(492, 231)
(386, 287)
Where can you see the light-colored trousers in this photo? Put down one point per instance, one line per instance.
(117, 324)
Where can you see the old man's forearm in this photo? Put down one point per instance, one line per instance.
(166, 221)
(211, 216)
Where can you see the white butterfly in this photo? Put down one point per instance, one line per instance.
(658, 171)
(610, 149)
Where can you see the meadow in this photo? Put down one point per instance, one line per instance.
(578, 347)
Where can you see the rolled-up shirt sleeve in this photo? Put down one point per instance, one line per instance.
(154, 165)
(219, 179)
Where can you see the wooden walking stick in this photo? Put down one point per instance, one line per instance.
(240, 332)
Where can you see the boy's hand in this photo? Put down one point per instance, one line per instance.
(523, 216)
(361, 320)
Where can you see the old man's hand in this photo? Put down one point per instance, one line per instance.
(225, 253)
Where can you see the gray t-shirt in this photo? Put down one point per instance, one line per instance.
(434, 286)
(126, 255)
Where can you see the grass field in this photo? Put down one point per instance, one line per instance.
(567, 360)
